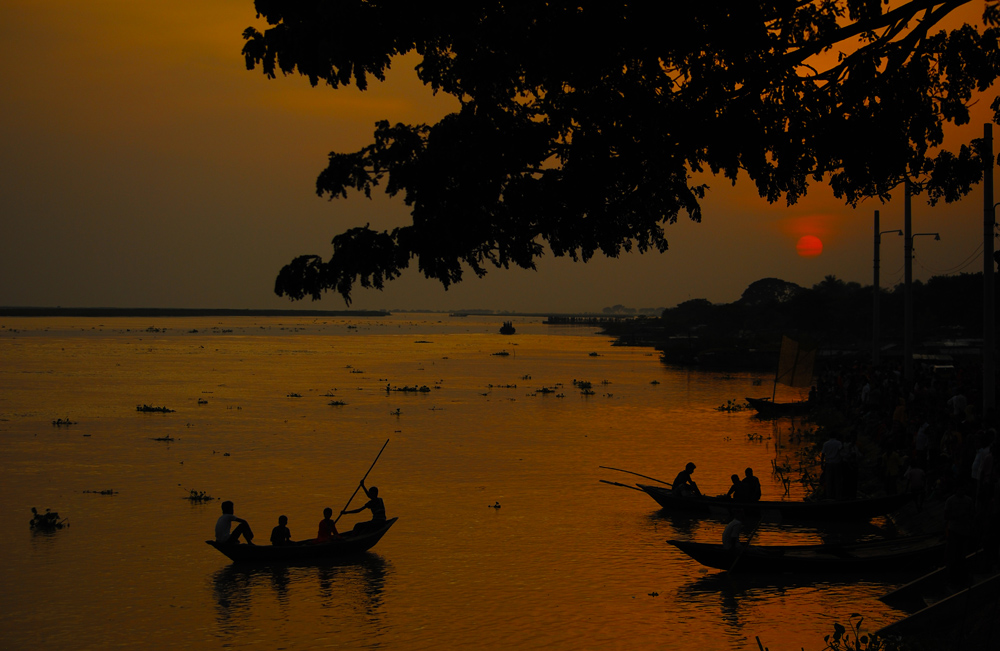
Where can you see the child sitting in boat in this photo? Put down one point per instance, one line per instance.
(225, 521)
(280, 535)
(327, 528)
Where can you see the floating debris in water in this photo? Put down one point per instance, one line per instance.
(655, 382)
(60, 422)
(198, 496)
(594, 354)
(495, 505)
(502, 353)
(414, 389)
(733, 406)
(108, 491)
(48, 521)
(148, 409)
(202, 401)
(336, 403)
(167, 438)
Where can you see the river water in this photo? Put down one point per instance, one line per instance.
(565, 562)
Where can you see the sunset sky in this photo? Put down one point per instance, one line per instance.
(142, 165)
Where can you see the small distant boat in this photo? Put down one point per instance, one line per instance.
(778, 511)
(766, 407)
(348, 544)
(895, 555)
(507, 328)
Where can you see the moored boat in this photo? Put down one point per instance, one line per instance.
(766, 407)
(984, 593)
(778, 511)
(347, 545)
(894, 555)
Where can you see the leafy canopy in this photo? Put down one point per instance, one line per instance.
(582, 125)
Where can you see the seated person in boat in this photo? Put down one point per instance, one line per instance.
(735, 488)
(749, 487)
(280, 535)
(224, 523)
(683, 485)
(327, 528)
(731, 534)
(375, 504)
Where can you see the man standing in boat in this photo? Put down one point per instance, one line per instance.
(224, 523)
(375, 504)
(683, 485)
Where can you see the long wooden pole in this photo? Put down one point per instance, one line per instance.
(358, 487)
(637, 475)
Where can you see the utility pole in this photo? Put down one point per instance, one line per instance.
(907, 287)
(989, 324)
(877, 293)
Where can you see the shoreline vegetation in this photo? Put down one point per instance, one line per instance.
(934, 423)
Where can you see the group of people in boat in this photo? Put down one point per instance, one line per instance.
(742, 490)
(281, 535)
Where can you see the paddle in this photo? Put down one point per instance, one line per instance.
(637, 475)
(358, 487)
(614, 483)
(744, 549)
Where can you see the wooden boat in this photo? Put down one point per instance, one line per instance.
(347, 545)
(983, 593)
(823, 510)
(878, 556)
(766, 407)
(913, 596)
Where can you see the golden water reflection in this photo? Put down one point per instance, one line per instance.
(565, 562)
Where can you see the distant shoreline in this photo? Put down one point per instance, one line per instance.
(105, 312)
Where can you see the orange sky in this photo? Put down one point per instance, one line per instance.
(142, 165)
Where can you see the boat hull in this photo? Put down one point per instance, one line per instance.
(348, 545)
(879, 556)
(825, 510)
(765, 407)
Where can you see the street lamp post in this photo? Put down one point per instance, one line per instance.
(877, 298)
(908, 326)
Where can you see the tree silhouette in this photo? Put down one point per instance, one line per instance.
(582, 125)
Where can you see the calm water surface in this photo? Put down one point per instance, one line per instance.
(566, 562)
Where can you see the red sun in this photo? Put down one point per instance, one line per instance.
(809, 246)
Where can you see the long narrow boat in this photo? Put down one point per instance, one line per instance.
(766, 407)
(776, 511)
(347, 545)
(913, 596)
(911, 553)
(984, 593)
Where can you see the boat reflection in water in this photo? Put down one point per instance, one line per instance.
(353, 585)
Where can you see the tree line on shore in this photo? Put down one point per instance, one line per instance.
(831, 314)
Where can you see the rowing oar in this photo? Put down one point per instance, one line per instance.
(614, 483)
(742, 551)
(358, 487)
(637, 475)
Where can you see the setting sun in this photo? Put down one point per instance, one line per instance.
(809, 246)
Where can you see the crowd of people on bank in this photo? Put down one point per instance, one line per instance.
(927, 437)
